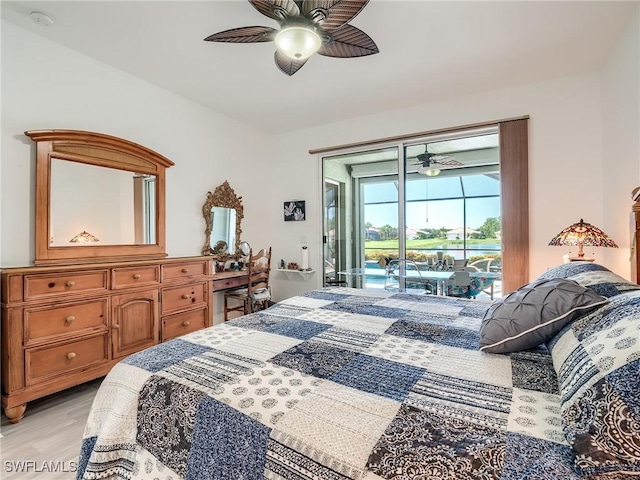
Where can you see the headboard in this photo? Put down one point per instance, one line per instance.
(635, 235)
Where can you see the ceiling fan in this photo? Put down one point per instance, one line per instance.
(306, 27)
(429, 163)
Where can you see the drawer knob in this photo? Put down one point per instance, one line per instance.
(186, 296)
(136, 276)
(185, 270)
(185, 323)
(70, 283)
(71, 355)
(70, 319)
(115, 326)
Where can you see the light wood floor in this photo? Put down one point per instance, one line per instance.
(48, 437)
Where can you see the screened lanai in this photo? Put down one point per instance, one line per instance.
(431, 201)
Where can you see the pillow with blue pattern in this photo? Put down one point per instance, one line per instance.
(597, 360)
(592, 276)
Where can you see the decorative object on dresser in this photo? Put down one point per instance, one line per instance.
(64, 325)
(582, 234)
(257, 290)
(76, 175)
(223, 213)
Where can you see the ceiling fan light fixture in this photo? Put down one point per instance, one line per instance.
(429, 171)
(298, 42)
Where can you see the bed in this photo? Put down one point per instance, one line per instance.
(344, 383)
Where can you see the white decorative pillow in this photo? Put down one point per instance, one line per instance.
(534, 314)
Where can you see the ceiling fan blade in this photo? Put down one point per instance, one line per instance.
(449, 162)
(276, 9)
(288, 65)
(244, 35)
(348, 42)
(338, 12)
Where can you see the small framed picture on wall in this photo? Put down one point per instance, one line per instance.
(294, 211)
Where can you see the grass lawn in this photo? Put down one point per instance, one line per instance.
(431, 243)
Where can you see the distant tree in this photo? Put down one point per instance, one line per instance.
(490, 226)
(367, 230)
(386, 231)
(424, 234)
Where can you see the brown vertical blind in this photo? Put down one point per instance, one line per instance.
(514, 183)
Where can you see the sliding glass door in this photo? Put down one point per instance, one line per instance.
(452, 199)
(436, 199)
(368, 194)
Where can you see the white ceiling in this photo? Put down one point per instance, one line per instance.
(428, 51)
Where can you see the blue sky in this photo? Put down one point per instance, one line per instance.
(445, 208)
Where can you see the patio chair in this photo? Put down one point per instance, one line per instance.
(404, 276)
(459, 285)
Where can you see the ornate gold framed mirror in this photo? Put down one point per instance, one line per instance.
(223, 213)
(98, 197)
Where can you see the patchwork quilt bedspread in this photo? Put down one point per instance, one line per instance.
(338, 383)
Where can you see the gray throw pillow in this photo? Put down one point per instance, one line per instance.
(534, 314)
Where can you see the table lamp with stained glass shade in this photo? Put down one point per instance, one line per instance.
(84, 237)
(582, 234)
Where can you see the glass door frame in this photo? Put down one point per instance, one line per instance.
(401, 161)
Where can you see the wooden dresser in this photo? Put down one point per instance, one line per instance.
(65, 325)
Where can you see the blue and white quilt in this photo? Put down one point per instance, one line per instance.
(338, 383)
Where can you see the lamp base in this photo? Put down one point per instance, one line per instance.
(581, 259)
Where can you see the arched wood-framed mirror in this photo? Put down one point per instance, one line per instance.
(106, 186)
(223, 213)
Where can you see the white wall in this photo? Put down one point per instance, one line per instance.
(565, 162)
(45, 85)
(621, 140)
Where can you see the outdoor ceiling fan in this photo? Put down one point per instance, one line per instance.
(430, 163)
(306, 27)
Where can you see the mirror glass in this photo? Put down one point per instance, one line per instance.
(117, 207)
(223, 214)
(245, 248)
(223, 230)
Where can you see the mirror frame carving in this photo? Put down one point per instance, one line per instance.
(102, 150)
(223, 196)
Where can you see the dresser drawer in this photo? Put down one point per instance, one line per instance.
(176, 325)
(179, 298)
(47, 285)
(132, 276)
(175, 271)
(68, 318)
(43, 363)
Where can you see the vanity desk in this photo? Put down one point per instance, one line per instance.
(230, 279)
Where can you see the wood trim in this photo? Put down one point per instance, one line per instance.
(514, 185)
(634, 229)
(102, 150)
(83, 141)
(411, 136)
